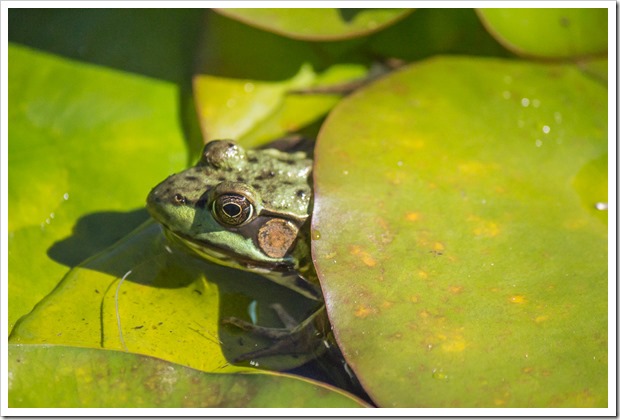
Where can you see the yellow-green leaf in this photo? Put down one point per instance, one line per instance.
(145, 296)
(553, 32)
(57, 376)
(77, 139)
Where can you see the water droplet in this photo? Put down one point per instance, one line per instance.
(539, 142)
(315, 235)
(535, 103)
(558, 117)
(399, 163)
(345, 172)
(601, 206)
(525, 102)
(248, 87)
(546, 129)
(65, 196)
(506, 94)
(231, 102)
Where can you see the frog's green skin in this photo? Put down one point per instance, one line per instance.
(249, 210)
(271, 192)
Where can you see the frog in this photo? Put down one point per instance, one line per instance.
(250, 210)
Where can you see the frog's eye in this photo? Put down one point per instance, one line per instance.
(232, 209)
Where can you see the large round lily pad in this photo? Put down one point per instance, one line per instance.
(318, 23)
(460, 235)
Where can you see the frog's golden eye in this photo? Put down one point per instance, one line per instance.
(232, 209)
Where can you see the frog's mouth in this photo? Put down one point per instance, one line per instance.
(226, 257)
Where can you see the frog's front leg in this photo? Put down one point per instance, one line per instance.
(294, 339)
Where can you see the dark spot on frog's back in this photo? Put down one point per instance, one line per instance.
(301, 193)
(266, 175)
(191, 178)
(240, 179)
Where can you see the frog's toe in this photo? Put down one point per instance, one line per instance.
(266, 332)
(294, 339)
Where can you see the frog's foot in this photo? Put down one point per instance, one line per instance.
(294, 339)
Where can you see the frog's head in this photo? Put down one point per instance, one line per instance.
(236, 207)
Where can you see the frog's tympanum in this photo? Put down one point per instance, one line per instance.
(249, 209)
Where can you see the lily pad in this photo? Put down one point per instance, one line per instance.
(457, 239)
(145, 296)
(318, 24)
(75, 130)
(566, 32)
(58, 376)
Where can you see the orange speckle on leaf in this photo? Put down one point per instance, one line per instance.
(422, 274)
(424, 313)
(455, 290)
(386, 304)
(366, 258)
(517, 299)
(541, 318)
(362, 311)
(527, 370)
(414, 298)
(412, 216)
(438, 247)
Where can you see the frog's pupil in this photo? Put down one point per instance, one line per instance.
(232, 209)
